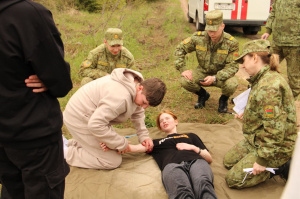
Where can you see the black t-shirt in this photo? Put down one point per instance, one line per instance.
(165, 151)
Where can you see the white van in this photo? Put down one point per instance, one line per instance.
(249, 14)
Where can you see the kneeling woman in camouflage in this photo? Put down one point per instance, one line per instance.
(269, 120)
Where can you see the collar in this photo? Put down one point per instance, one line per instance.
(254, 79)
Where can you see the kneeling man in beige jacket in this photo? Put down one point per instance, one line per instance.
(95, 107)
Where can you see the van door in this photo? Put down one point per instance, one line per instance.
(249, 14)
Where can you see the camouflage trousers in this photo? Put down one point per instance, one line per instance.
(86, 80)
(228, 87)
(292, 56)
(243, 156)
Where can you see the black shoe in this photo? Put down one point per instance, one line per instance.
(203, 96)
(223, 103)
(283, 170)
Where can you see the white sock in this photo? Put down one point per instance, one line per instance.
(65, 152)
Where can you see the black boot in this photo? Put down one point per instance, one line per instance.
(202, 98)
(283, 170)
(223, 103)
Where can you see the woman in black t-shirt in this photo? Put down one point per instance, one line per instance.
(183, 160)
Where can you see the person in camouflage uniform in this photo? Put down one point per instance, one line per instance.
(284, 23)
(105, 58)
(215, 51)
(269, 120)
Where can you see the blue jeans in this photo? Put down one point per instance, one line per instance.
(192, 179)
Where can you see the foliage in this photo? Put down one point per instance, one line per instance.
(88, 5)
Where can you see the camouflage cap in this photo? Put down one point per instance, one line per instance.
(259, 45)
(113, 36)
(213, 19)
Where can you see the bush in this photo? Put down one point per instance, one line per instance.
(88, 5)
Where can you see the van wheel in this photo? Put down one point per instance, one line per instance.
(249, 31)
(190, 19)
(199, 26)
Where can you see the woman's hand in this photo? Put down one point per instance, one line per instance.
(257, 169)
(240, 116)
(185, 146)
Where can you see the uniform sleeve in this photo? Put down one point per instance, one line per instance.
(271, 18)
(138, 120)
(88, 67)
(99, 123)
(44, 51)
(273, 117)
(185, 47)
(231, 67)
(130, 63)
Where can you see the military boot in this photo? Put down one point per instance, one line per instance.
(202, 98)
(283, 171)
(223, 103)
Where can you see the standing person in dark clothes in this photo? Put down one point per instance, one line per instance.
(183, 159)
(31, 149)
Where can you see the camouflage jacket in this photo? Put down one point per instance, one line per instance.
(284, 22)
(100, 62)
(270, 116)
(213, 60)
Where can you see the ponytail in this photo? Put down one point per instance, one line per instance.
(271, 59)
(274, 62)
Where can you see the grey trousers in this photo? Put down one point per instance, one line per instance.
(188, 180)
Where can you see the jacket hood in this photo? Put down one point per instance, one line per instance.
(7, 3)
(126, 77)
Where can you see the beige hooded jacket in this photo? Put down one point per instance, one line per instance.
(104, 102)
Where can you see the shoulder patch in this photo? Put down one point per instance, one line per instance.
(235, 55)
(269, 111)
(199, 32)
(231, 38)
(87, 63)
(187, 40)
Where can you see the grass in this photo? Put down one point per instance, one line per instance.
(152, 30)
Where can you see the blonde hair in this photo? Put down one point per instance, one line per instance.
(158, 117)
(271, 59)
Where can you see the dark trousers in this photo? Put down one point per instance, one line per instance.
(189, 180)
(33, 173)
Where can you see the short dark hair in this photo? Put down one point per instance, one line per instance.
(154, 90)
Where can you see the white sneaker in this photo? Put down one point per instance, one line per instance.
(65, 142)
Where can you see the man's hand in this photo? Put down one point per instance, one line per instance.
(104, 147)
(208, 80)
(257, 169)
(188, 74)
(148, 143)
(34, 82)
(265, 36)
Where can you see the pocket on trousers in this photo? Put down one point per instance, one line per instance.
(57, 176)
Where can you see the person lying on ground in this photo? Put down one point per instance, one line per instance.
(183, 159)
